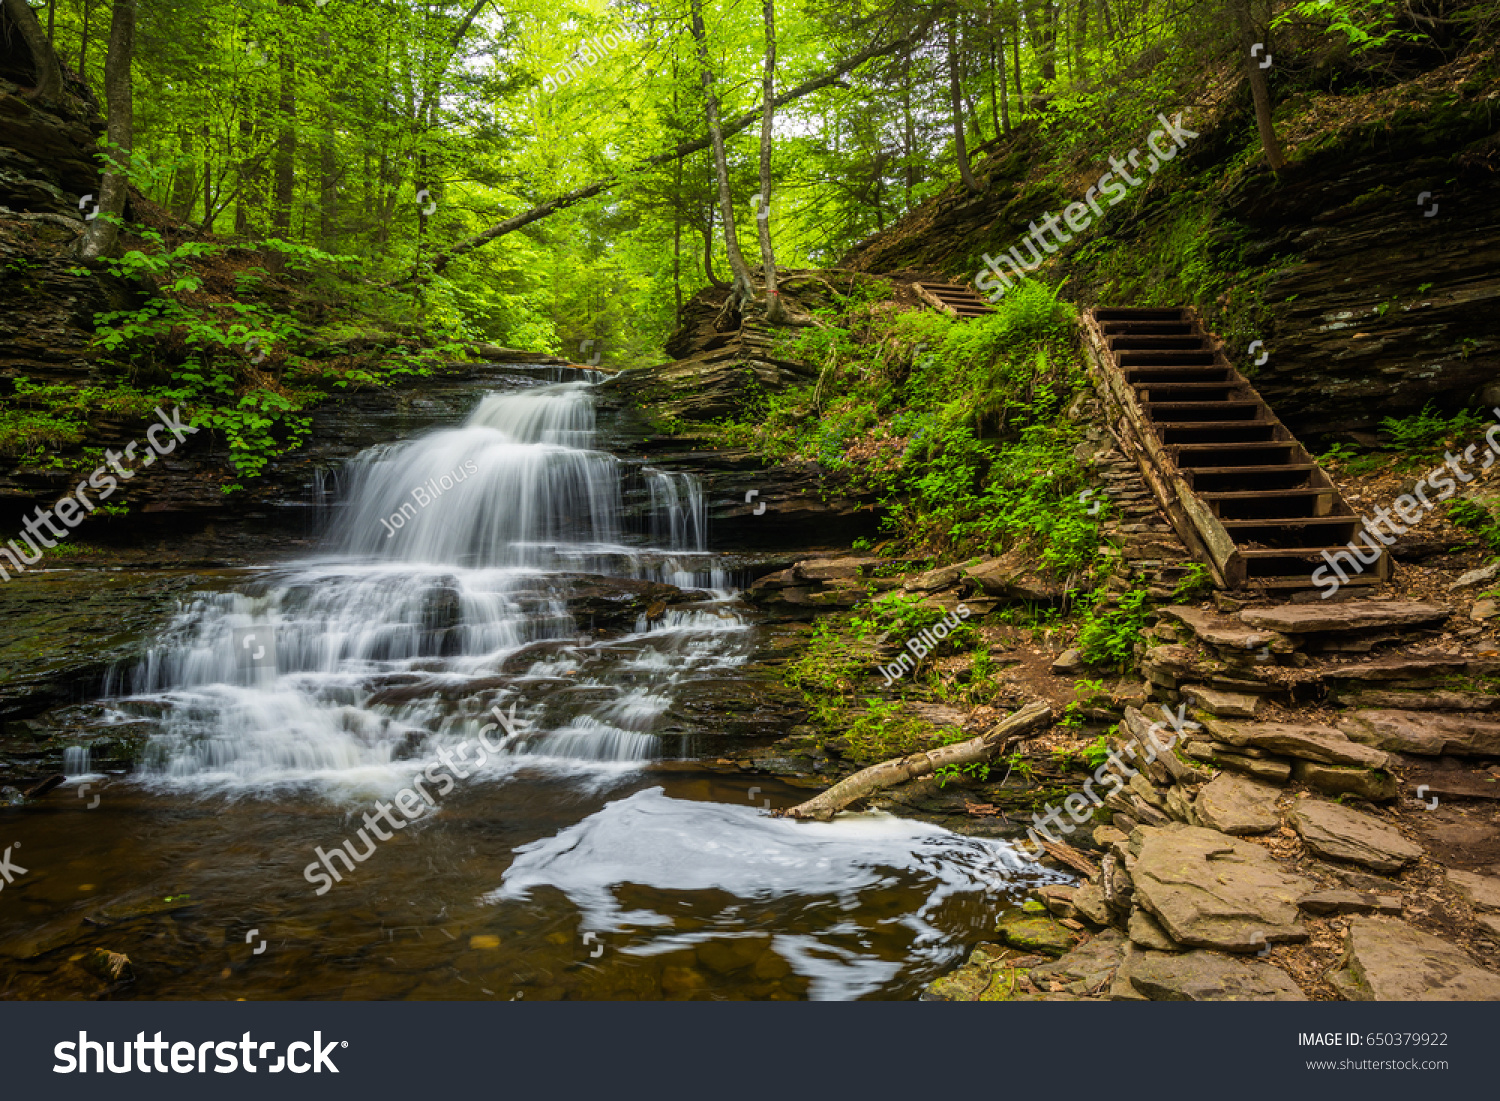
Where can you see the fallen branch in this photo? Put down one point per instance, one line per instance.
(1027, 722)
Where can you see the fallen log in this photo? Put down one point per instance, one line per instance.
(1027, 722)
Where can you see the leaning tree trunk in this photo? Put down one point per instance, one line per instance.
(741, 289)
(1030, 720)
(119, 101)
(1259, 88)
(775, 314)
(38, 42)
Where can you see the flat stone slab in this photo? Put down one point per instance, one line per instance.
(1375, 785)
(1225, 705)
(1480, 891)
(1209, 977)
(1353, 615)
(1092, 964)
(1323, 744)
(1209, 890)
(1423, 733)
(1329, 903)
(1423, 670)
(1237, 805)
(1339, 833)
(1222, 631)
(830, 569)
(1145, 931)
(1388, 961)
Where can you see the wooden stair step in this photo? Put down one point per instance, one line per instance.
(1169, 359)
(1159, 343)
(1140, 313)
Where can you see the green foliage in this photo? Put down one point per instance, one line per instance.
(1348, 459)
(1364, 25)
(1429, 433)
(1096, 752)
(1198, 580)
(977, 770)
(36, 418)
(1479, 517)
(1108, 635)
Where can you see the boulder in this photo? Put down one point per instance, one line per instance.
(1480, 891)
(1226, 633)
(1367, 783)
(1145, 931)
(1209, 890)
(1423, 733)
(1223, 705)
(834, 569)
(1058, 900)
(1274, 771)
(1386, 960)
(1034, 932)
(1352, 615)
(1089, 901)
(1091, 964)
(933, 580)
(1235, 805)
(1323, 744)
(1069, 663)
(1209, 977)
(1480, 576)
(1339, 833)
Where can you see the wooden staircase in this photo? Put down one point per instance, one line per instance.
(1240, 491)
(958, 302)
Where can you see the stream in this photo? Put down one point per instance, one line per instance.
(552, 829)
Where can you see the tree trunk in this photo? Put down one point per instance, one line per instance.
(119, 100)
(955, 92)
(286, 146)
(1038, 15)
(572, 198)
(1004, 94)
(708, 252)
(1080, 38)
(209, 198)
(1015, 68)
(909, 129)
(185, 180)
(742, 290)
(1259, 89)
(775, 315)
(83, 45)
(44, 64)
(1029, 721)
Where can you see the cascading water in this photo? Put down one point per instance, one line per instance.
(445, 595)
(466, 570)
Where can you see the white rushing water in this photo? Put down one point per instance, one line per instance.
(832, 874)
(443, 596)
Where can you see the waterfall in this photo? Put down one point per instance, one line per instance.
(76, 761)
(444, 593)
